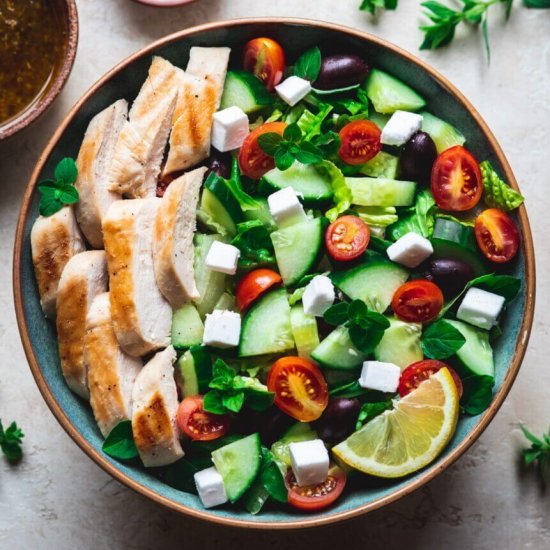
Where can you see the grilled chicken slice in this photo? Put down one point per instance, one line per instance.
(140, 146)
(141, 316)
(175, 226)
(54, 240)
(111, 372)
(93, 162)
(154, 409)
(201, 88)
(83, 278)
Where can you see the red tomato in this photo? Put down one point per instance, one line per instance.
(253, 162)
(416, 373)
(497, 235)
(266, 59)
(347, 238)
(417, 301)
(300, 388)
(360, 142)
(199, 424)
(316, 497)
(253, 285)
(456, 180)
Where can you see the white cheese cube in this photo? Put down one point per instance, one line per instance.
(285, 207)
(229, 129)
(480, 308)
(309, 461)
(380, 376)
(293, 89)
(223, 257)
(400, 128)
(210, 487)
(222, 329)
(410, 250)
(318, 296)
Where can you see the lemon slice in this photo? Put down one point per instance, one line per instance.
(408, 437)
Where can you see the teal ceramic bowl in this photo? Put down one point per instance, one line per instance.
(38, 335)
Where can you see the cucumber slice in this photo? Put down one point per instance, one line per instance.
(261, 213)
(374, 281)
(187, 327)
(336, 351)
(211, 284)
(301, 431)
(213, 215)
(244, 90)
(388, 94)
(194, 371)
(238, 463)
(379, 119)
(226, 302)
(304, 331)
(383, 165)
(297, 249)
(266, 326)
(400, 344)
(443, 134)
(451, 239)
(476, 355)
(227, 210)
(381, 191)
(303, 178)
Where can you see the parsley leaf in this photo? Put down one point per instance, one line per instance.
(11, 440)
(441, 340)
(60, 191)
(119, 443)
(308, 65)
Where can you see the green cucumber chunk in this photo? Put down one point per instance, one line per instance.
(297, 249)
(383, 165)
(226, 302)
(242, 89)
(194, 371)
(301, 431)
(213, 215)
(238, 463)
(187, 327)
(400, 344)
(219, 187)
(266, 326)
(336, 351)
(388, 94)
(378, 118)
(443, 134)
(304, 330)
(261, 213)
(381, 191)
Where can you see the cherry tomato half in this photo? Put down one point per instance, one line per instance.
(497, 235)
(416, 373)
(300, 388)
(456, 180)
(266, 59)
(253, 161)
(347, 238)
(360, 141)
(417, 301)
(253, 285)
(199, 424)
(316, 497)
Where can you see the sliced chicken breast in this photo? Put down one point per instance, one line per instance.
(93, 162)
(140, 146)
(209, 64)
(54, 241)
(111, 372)
(175, 226)
(142, 317)
(154, 409)
(83, 278)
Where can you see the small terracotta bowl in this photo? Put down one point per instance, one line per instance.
(68, 22)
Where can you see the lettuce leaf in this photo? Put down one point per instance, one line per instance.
(498, 194)
(378, 216)
(245, 201)
(342, 193)
(254, 241)
(419, 220)
(310, 124)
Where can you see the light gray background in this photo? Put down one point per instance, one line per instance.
(57, 498)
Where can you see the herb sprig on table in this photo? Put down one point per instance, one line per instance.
(11, 440)
(538, 453)
(60, 191)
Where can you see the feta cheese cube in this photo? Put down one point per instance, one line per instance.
(285, 207)
(293, 89)
(222, 329)
(380, 376)
(318, 296)
(229, 129)
(480, 308)
(210, 487)
(400, 128)
(309, 461)
(410, 250)
(223, 257)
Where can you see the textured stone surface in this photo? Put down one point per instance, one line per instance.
(58, 498)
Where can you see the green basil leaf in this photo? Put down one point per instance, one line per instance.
(119, 443)
(337, 314)
(272, 479)
(441, 340)
(213, 403)
(479, 393)
(308, 65)
(66, 171)
(349, 389)
(233, 401)
(270, 142)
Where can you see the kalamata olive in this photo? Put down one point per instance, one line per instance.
(341, 70)
(449, 274)
(418, 157)
(271, 424)
(338, 419)
(220, 163)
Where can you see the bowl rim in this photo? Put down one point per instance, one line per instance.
(303, 522)
(62, 70)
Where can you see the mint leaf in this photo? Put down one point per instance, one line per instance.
(371, 410)
(292, 132)
(309, 153)
(10, 442)
(68, 194)
(270, 142)
(365, 340)
(212, 402)
(479, 393)
(441, 340)
(66, 171)
(283, 159)
(222, 376)
(61, 191)
(308, 65)
(272, 479)
(234, 401)
(337, 314)
(119, 443)
(49, 205)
